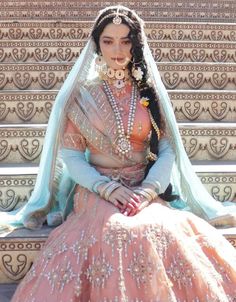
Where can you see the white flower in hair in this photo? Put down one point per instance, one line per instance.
(137, 73)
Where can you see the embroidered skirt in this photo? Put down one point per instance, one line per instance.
(158, 255)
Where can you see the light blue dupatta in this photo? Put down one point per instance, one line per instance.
(40, 200)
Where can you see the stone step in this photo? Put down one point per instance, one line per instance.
(193, 51)
(203, 141)
(68, 50)
(181, 75)
(40, 51)
(18, 181)
(16, 185)
(19, 249)
(26, 106)
(79, 30)
(204, 105)
(21, 143)
(34, 106)
(198, 75)
(33, 75)
(197, 10)
(191, 31)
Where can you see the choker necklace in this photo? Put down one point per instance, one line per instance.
(118, 78)
(123, 144)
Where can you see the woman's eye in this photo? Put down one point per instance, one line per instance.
(127, 42)
(107, 41)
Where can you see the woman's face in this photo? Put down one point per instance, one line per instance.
(115, 45)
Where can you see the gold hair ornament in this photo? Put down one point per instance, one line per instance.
(154, 125)
(117, 20)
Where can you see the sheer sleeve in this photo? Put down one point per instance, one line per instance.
(73, 154)
(72, 138)
(160, 173)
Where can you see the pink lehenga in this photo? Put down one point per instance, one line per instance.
(99, 255)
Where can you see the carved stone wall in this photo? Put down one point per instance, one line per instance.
(79, 30)
(17, 256)
(35, 106)
(193, 42)
(169, 10)
(26, 106)
(20, 145)
(15, 190)
(69, 50)
(203, 105)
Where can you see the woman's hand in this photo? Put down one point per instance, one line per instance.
(143, 203)
(125, 200)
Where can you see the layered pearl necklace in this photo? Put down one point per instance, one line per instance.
(123, 144)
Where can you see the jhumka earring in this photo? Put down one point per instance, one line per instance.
(100, 64)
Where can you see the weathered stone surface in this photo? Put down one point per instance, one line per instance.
(202, 142)
(26, 106)
(19, 145)
(204, 105)
(189, 105)
(15, 190)
(18, 251)
(33, 75)
(209, 141)
(40, 51)
(198, 10)
(221, 185)
(198, 75)
(68, 50)
(194, 51)
(79, 30)
(180, 75)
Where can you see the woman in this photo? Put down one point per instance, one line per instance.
(122, 241)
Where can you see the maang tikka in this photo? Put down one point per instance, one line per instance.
(117, 19)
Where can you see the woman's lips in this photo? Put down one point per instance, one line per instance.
(118, 59)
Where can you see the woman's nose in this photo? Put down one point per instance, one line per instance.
(117, 47)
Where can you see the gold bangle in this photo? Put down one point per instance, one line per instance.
(113, 186)
(144, 194)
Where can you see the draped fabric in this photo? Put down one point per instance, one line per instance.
(100, 255)
(53, 190)
(158, 255)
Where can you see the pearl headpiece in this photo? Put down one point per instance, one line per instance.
(117, 17)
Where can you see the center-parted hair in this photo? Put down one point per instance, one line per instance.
(136, 36)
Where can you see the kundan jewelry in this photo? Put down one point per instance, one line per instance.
(118, 78)
(123, 144)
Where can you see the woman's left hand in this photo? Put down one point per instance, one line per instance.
(142, 204)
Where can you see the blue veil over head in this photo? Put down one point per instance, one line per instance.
(53, 192)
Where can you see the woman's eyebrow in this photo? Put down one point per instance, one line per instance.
(109, 37)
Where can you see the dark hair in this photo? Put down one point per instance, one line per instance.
(135, 24)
